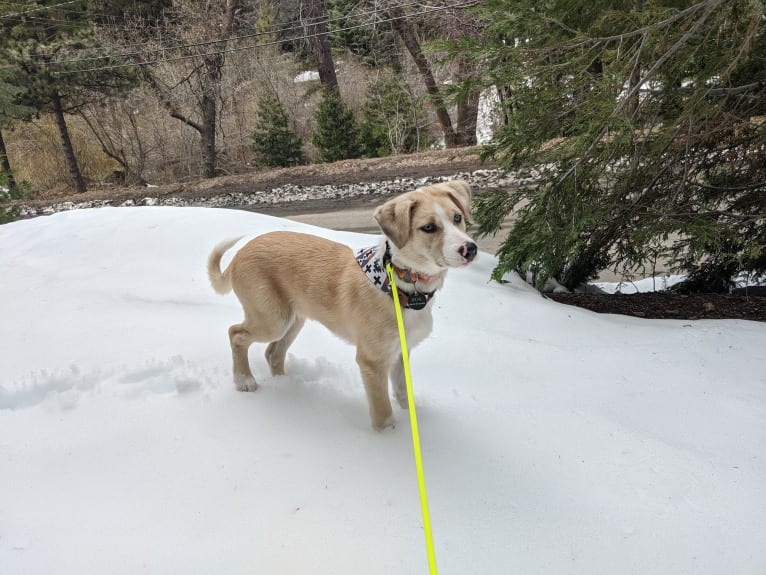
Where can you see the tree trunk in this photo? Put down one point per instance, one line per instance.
(209, 110)
(411, 42)
(505, 94)
(467, 118)
(71, 160)
(211, 93)
(315, 21)
(5, 164)
(467, 112)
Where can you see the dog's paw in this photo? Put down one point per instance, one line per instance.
(389, 422)
(245, 383)
(401, 399)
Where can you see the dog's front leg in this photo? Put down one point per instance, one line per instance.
(398, 383)
(374, 372)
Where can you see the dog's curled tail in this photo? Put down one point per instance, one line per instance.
(220, 280)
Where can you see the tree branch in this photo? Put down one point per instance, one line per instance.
(166, 102)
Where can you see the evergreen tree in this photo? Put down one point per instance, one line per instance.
(353, 30)
(9, 110)
(336, 133)
(274, 143)
(47, 48)
(644, 123)
(314, 16)
(10, 189)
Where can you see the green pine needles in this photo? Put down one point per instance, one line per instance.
(336, 136)
(645, 126)
(10, 190)
(274, 143)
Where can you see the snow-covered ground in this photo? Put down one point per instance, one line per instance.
(555, 440)
(650, 284)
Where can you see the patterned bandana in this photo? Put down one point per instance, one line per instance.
(372, 265)
(375, 270)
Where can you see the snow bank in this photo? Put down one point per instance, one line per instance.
(556, 441)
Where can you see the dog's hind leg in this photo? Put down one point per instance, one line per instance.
(240, 339)
(277, 350)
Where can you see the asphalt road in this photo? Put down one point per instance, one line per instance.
(356, 216)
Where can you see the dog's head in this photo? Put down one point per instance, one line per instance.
(427, 226)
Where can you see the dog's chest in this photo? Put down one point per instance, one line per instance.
(418, 325)
(375, 268)
(417, 321)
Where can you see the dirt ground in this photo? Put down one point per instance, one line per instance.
(750, 306)
(435, 163)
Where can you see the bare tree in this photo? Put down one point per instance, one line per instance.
(205, 31)
(117, 130)
(412, 43)
(451, 24)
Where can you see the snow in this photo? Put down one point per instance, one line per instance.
(665, 282)
(555, 440)
(306, 76)
(650, 284)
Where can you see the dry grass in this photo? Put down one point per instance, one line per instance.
(160, 149)
(34, 151)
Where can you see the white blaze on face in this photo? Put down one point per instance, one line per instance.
(454, 240)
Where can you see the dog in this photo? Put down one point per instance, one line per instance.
(283, 278)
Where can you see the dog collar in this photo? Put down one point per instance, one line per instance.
(374, 268)
(407, 276)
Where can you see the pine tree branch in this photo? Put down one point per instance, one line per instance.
(711, 6)
(736, 90)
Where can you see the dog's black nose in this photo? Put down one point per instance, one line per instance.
(469, 250)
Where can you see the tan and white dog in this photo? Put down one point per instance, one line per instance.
(283, 278)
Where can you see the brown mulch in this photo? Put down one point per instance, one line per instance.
(671, 305)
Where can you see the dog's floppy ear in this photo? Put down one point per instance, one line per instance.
(393, 217)
(461, 194)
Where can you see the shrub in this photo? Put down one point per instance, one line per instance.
(274, 143)
(9, 192)
(336, 135)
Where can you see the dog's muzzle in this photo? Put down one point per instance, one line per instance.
(468, 251)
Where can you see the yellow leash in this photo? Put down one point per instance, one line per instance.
(414, 426)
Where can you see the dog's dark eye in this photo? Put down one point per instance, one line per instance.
(458, 218)
(429, 228)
